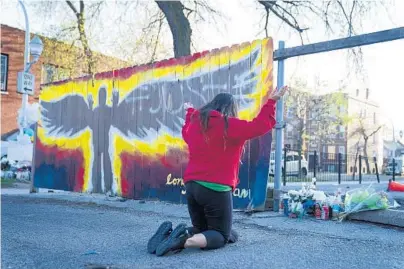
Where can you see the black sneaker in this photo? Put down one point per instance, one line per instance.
(175, 240)
(162, 233)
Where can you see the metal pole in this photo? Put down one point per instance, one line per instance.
(32, 188)
(360, 169)
(394, 169)
(315, 164)
(24, 100)
(339, 167)
(279, 132)
(284, 166)
(377, 169)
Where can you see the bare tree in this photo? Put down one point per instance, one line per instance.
(80, 16)
(340, 17)
(341, 14)
(364, 131)
(311, 115)
(178, 17)
(179, 26)
(73, 27)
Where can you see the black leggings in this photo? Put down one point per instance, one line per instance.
(211, 214)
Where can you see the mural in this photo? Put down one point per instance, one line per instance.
(121, 131)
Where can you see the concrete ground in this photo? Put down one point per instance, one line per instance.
(62, 230)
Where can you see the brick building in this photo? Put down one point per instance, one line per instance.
(58, 61)
(359, 111)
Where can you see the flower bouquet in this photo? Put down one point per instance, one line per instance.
(365, 199)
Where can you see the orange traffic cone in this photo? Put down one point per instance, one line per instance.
(395, 186)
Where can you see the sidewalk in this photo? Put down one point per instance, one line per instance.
(63, 230)
(386, 217)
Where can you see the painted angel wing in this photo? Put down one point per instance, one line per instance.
(66, 116)
(149, 109)
(238, 78)
(157, 105)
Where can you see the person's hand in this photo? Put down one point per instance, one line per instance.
(277, 94)
(188, 105)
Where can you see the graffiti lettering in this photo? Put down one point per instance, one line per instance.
(175, 182)
(240, 193)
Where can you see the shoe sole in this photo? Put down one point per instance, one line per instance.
(159, 236)
(165, 246)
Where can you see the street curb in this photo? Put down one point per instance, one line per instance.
(387, 217)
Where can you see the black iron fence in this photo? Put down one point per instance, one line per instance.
(303, 166)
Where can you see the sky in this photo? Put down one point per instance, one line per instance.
(241, 21)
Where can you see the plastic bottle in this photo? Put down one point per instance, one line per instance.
(335, 211)
(325, 212)
(317, 211)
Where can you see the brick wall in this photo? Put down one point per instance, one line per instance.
(55, 53)
(12, 44)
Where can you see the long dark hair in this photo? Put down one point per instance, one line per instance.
(226, 105)
(223, 103)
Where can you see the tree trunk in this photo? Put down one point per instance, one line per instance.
(356, 160)
(299, 147)
(179, 26)
(299, 151)
(88, 54)
(84, 41)
(365, 154)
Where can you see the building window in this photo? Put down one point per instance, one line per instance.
(341, 131)
(331, 152)
(52, 73)
(290, 113)
(4, 72)
(374, 117)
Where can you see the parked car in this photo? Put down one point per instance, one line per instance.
(398, 166)
(292, 164)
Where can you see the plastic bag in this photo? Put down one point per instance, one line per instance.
(366, 199)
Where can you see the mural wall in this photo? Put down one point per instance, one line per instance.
(121, 132)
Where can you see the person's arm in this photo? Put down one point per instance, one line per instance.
(188, 116)
(261, 124)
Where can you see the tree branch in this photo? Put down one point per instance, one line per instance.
(375, 131)
(72, 7)
(348, 18)
(81, 7)
(273, 6)
(266, 21)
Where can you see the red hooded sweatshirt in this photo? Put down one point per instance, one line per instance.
(215, 156)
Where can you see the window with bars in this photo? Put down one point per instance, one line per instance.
(4, 72)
